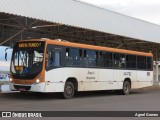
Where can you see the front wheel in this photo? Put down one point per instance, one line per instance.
(69, 90)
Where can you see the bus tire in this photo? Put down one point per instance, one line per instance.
(69, 90)
(126, 88)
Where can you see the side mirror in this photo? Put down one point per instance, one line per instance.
(6, 54)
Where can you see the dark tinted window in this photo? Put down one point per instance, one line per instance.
(106, 59)
(130, 61)
(54, 59)
(141, 62)
(90, 58)
(73, 56)
(149, 63)
(119, 60)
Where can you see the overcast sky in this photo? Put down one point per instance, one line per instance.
(148, 10)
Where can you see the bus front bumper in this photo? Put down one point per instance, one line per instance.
(40, 87)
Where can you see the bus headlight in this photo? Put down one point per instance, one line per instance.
(10, 79)
(38, 80)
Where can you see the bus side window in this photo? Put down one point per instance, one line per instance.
(149, 63)
(90, 58)
(97, 59)
(100, 59)
(81, 57)
(85, 58)
(107, 60)
(131, 61)
(141, 62)
(119, 60)
(73, 57)
(54, 58)
(69, 60)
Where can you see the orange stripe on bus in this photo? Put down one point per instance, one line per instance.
(92, 47)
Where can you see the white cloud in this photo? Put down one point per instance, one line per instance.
(148, 10)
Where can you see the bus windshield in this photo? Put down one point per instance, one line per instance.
(27, 61)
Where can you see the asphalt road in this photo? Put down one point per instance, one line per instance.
(83, 101)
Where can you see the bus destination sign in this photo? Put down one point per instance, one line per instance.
(30, 45)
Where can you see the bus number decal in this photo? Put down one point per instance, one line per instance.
(128, 73)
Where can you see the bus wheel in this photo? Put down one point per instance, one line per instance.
(68, 90)
(126, 88)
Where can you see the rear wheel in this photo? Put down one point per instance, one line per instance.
(69, 90)
(126, 88)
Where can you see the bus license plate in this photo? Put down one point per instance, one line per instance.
(22, 89)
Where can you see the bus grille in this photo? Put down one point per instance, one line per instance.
(19, 87)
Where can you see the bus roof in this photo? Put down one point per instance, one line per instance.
(92, 47)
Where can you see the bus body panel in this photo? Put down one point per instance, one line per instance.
(144, 78)
(90, 79)
(121, 75)
(96, 79)
(81, 74)
(54, 75)
(54, 87)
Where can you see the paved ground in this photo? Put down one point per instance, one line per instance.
(139, 100)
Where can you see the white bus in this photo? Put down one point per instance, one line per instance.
(57, 66)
